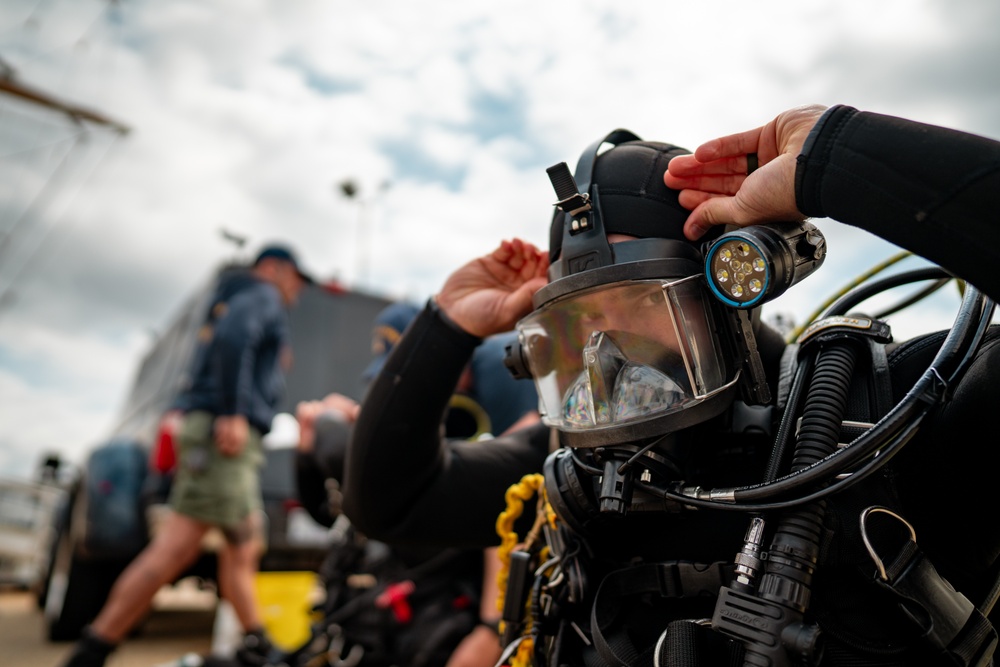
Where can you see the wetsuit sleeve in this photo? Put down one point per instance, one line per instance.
(931, 190)
(238, 336)
(406, 484)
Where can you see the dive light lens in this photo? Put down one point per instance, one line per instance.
(738, 272)
(746, 266)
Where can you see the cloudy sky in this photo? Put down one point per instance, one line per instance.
(245, 116)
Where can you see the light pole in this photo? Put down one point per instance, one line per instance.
(365, 226)
(238, 240)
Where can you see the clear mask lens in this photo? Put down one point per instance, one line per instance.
(622, 353)
(613, 389)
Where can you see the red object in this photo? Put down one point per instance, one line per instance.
(333, 287)
(394, 597)
(163, 456)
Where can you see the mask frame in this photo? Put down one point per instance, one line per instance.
(587, 260)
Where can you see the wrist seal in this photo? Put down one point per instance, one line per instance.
(810, 165)
(433, 307)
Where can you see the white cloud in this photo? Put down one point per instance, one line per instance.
(246, 115)
(66, 401)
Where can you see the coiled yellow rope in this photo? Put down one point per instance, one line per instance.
(516, 496)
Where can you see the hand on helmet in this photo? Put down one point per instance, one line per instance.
(715, 183)
(490, 294)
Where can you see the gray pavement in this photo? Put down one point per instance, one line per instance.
(181, 622)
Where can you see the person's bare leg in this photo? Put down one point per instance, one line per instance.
(173, 549)
(239, 560)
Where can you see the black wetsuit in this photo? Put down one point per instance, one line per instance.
(931, 190)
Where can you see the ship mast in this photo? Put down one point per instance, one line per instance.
(78, 115)
(10, 85)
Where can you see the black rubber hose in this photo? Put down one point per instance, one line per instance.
(787, 427)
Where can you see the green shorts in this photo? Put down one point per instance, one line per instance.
(212, 488)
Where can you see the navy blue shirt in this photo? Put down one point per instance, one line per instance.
(237, 366)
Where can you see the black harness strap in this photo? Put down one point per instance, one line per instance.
(691, 644)
(670, 579)
(948, 622)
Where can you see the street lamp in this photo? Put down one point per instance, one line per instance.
(350, 189)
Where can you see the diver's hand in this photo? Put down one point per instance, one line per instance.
(231, 433)
(490, 294)
(714, 181)
(307, 412)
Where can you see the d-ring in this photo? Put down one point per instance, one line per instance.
(751, 163)
(868, 545)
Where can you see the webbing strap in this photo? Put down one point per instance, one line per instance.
(690, 644)
(671, 579)
(585, 165)
(947, 621)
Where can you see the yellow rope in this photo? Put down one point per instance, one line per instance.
(795, 333)
(522, 658)
(516, 495)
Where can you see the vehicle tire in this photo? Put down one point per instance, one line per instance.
(76, 589)
(60, 523)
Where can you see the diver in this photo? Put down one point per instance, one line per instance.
(712, 494)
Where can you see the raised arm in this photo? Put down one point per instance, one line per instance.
(404, 482)
(932, 190)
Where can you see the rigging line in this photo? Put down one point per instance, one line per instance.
(913, 298)
(27, 21)
(40, 196)
(93, 22)
(23, 108)
(12, 110)
(39, 147)
(10, 85)
(76, 113)
(17, 184)
(878, 268)
(65, 46)
(5, 291)
(83, 41)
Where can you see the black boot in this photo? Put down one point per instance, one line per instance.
(90, 650)
(255, 649)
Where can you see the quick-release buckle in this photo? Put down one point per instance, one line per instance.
(571, 200)
(947, 621)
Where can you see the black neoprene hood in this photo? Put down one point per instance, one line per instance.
(627, 195)
(633, 198)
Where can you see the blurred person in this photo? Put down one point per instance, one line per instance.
(236, 381)
(485, 399)
(700, 509)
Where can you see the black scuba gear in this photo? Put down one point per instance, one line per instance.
(910, 196)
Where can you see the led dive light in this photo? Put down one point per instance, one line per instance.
(748, 266)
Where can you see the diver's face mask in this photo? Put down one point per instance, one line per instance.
(626, 342)
(624, 354)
